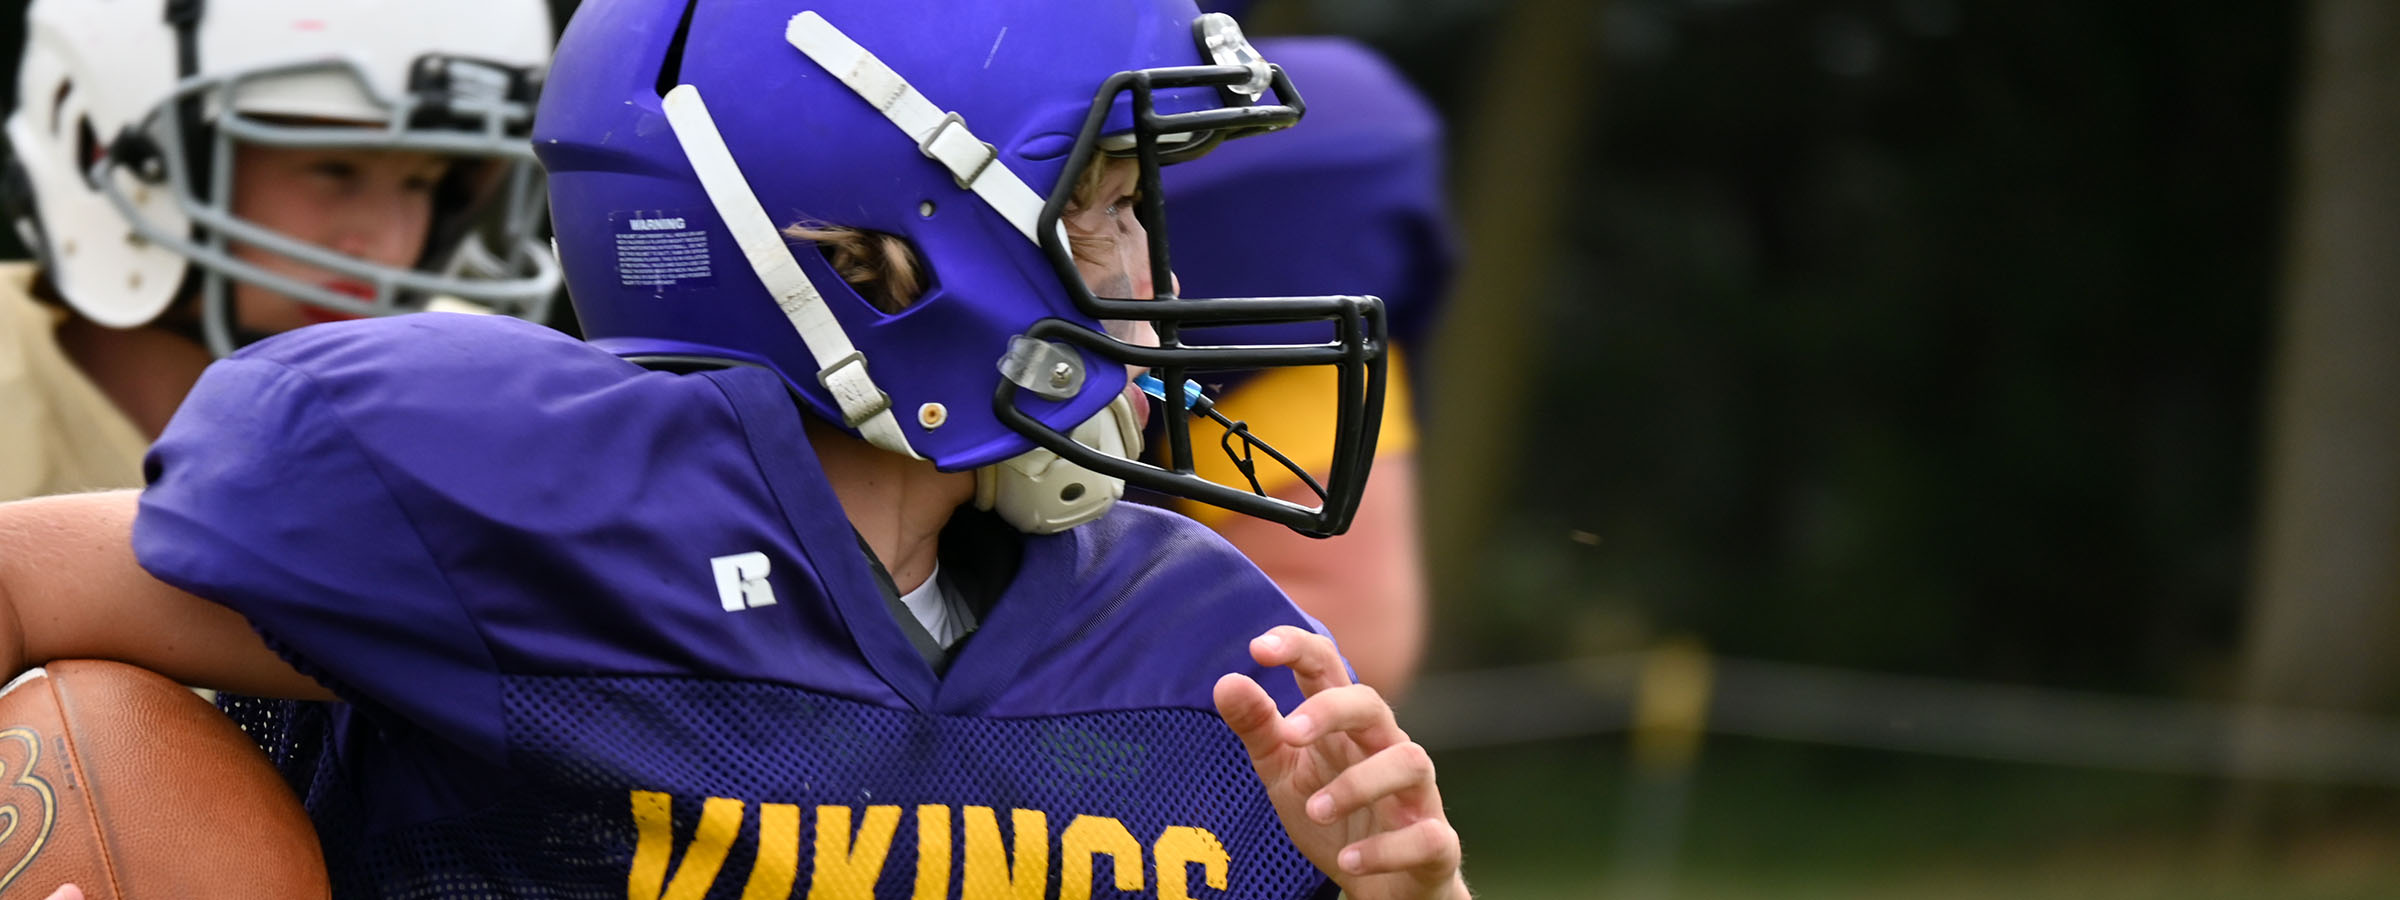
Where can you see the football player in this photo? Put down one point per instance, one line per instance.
(805, 574)
(193, 175)
(1352, 202)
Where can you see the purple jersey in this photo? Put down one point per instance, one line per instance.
(605, 632)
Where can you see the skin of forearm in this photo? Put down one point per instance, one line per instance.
(70, 588)
(44, 542)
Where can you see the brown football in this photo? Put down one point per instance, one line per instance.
(118, 780)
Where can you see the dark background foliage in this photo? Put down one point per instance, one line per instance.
(1924, 336)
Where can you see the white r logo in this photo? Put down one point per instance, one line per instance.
(742, 581)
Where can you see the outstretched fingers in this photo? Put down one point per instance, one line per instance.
(1355, 709)
(1427, 849)
(1311, 657)
(1402, 774)
(1339, 766)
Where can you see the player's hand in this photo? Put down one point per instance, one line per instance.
(66, 892)
(1355, 794)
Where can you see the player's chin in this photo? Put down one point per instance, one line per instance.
(1141, 403)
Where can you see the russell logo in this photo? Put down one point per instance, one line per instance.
(742, 581)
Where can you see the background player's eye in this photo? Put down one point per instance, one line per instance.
(340, 170)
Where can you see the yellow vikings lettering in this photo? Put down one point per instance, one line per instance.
(852, 846)
(992, 877)
(653, 818)
(778, 853)
(35, 817)
(847, 870)
(1091, 836)
(1178, 848)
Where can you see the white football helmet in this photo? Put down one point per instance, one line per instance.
(128, 113)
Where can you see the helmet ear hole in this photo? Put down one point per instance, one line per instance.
(87, 146)
(885, 269)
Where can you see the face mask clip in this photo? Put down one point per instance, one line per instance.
(1049, 369)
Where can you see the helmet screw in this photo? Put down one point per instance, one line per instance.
(1060, 374)
(133, 281)
(932, 415)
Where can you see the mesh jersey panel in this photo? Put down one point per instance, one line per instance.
(588, 753)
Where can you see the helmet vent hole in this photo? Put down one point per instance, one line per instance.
(925, 210)
(1072, 492)
(670, 70)
(58, 102)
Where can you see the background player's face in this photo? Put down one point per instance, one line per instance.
(376, 205)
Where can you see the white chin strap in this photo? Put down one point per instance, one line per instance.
(942, 136)
(1036, 492)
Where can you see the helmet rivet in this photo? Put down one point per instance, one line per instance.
(66, 247)
(932, 415)
(133, 281)
(925, 210)
(1061, 374)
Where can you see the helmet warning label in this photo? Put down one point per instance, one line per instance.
(660, 248)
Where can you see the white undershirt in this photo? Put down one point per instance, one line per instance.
(943, 613)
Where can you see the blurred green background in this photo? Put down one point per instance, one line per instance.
(2039, 344)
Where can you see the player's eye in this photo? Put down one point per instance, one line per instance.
(1124, 202)
(338, 170)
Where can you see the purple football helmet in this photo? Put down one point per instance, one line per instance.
(998, 105)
